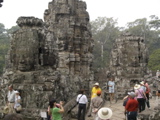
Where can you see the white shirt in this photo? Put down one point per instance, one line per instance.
(11, 96)
(82, 99)
(17, 97)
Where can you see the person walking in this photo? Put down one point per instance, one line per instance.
(125, 100)
(111, 85)
(143, 86)
(131, 107)
(11, 99)
(56, 110)
(82, 101)
(96, 104)
(141, 97)
(94, 91)
(148, 90)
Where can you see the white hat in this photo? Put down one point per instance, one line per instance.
(142, 82)
(132, 94)
(96, 84)
(16, 92)
(137, 86)
(105, 113)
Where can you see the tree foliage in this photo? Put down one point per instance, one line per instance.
(4, 43)
(143, 27)
(154, 60)
(104, 32)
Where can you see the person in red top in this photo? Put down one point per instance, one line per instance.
(147, 92)
(131, 107)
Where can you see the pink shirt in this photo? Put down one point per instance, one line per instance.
(139, 93)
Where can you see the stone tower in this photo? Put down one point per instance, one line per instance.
(50, 59)
(129, 59)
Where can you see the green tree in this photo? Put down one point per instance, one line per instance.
(4, 43)
(143, 27)
(104, 32)
(154, 60)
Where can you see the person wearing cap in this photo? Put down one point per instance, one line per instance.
(131, 107)
(125, 100)
(111, 85)
(104, 114)
(55, 111)
(11, 99)
(96, 104)
(94, 91)
(82, 101)
(141, 97)
(17, 105)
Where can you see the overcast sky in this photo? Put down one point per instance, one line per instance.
(123, 10)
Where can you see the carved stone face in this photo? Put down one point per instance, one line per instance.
(25, 63)
(24, 54)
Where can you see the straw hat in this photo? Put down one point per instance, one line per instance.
(6, 110)
(137, 86)
(105, 113)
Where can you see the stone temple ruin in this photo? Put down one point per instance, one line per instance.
(53, 58)
(128, 63)
(50, 59)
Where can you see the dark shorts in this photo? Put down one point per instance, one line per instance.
(132, 115)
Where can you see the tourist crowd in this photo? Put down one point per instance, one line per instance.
(135, 102)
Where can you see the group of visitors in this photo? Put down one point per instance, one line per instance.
(13, 104)
(95, 110)
(137, 100)
(134, 103)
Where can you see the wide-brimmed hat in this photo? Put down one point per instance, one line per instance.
(132, 94)
(97, 84)
(6, 110)
(105, 113)
(142, 82)
(137, 86)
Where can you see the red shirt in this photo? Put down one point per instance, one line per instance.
(132, 105)
(147, 88)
